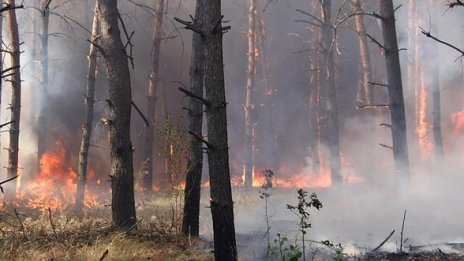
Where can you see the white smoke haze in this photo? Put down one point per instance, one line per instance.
(358, 215)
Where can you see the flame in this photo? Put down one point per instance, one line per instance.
(55, 185)
(458, 120)
(425, 144)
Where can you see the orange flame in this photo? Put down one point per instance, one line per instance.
(55, 185)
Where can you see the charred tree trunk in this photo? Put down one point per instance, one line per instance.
(15, 107)
(153, 87)
(314, 108)
(328, 85)
(222, 207)
(365, 93)
(119, 103)
(395, 88)
(249, 106)
(88, 103)
(192, 193)
(436, 100)
(270, 93)
(42, 118)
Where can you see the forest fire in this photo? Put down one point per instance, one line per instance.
(55, 185)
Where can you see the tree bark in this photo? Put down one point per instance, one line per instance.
(328, 85)
(192, 193)
(249, 106)
(42, 118)
(436, 100)
(89, 104)
(122, 175)
(15, 107)
(270, 93)
(153, 86)
(395, 88)
(218, 152)
(365, 94)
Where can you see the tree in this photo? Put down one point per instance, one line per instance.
(153, 87)
(249, 110)
(436, 100)
(395, 88)
(89, 104)
(42, 117)
(15, 106)
(222, 207)
(327, 65)
(119, 105)
(192, 193)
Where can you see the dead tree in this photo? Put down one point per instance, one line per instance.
(395, 88)
(270, 92)
(327, 65)
(192, 193)
(153, 87)
(119, 106)
(249, 115)
(15, 106)
(365, 93)
(222, 207)
(436, 100)
(89, 105)
(43, 112)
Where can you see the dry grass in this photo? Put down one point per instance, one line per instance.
(61, 235)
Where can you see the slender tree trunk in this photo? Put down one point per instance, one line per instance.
(192, 193)
(249, 106)
(42, 118)
(398, 118)
(222, 207)
(365, 94)
(328, 85)
(270, 93)
(1, 61)
(122, 174)
(314, 100)
(87, 128)
(435, 75)
(15, 106)
(153, 87)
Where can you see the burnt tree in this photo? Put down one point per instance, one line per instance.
(249, 106)
(222, 207)
(42, 117)
(153, 87)
(192, 193)
(119, 106)
(436, 96)
(15, 106)
(327, 78)
(89, 105)
(395, 88)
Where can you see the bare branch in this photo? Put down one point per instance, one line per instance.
(140, 113)
(378, 84)
(386, 146)
(372, 106)
(429, 35)
(199, 138)
(376, 42)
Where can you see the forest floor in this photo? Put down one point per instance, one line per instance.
(58, 234)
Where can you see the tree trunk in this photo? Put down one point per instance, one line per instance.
(122, 176)
(365, 93)
(328, 85)
(398, 118)
(270, 94)
(153, 86)
(435, 75)
(87, 128)
(15, 106)
(249, 106)
(222, 207)
(42, 118)
(192, 193)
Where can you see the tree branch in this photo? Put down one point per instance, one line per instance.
(193, 95)
(429, 35)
